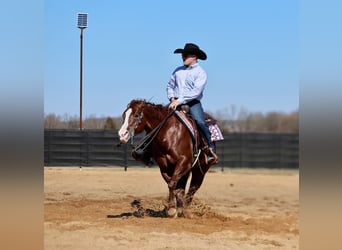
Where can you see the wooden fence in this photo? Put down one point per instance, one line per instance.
(73, 147)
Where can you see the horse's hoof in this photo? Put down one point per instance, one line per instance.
(172, 212)
(187, 214)
(180, 212)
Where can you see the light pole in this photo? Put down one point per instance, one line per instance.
(82, 23)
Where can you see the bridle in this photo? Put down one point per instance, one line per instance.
(137, 116)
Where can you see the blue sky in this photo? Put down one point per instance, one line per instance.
(252, 49)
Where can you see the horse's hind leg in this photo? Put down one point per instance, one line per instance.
(196, 182)
(180, 199)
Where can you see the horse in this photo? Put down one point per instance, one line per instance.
(172, 148)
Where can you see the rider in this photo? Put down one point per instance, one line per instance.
(186, 86)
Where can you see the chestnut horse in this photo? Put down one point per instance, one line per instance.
(171, 147)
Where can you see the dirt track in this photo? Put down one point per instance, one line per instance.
(237, 209)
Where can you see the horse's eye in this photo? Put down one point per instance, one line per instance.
(136, 116)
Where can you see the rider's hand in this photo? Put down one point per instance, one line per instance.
(173, 105)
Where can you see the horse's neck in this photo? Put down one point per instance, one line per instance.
(153, 118)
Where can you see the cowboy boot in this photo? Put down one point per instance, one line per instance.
(212, 157)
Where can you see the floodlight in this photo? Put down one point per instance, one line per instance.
(82, 20)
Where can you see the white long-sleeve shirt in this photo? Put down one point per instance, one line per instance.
(187, 83)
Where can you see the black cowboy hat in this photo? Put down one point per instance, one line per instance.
(192, 49)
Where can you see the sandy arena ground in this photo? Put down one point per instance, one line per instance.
(237, 209)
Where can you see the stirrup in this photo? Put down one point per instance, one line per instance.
(196, 156)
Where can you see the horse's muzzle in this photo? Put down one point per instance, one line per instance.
(123, 140)
(124, 137)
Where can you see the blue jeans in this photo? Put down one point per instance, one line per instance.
(197, 113)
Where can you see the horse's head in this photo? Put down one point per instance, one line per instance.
(132, 120)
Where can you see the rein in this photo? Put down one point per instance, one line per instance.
(143, 144)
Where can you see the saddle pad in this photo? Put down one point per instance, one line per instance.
(215, 131)
(186, 122)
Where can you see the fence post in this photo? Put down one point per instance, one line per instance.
(88, 141)
(49, 146)
(125, 156)
(222, 155)
(80, 146)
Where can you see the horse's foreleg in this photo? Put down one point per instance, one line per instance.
(181, 170)
(180, 196)
(171, 207)
(172, 202)
(166, 177)
(172, 184)
(177, 185)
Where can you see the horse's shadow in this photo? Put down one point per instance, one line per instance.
(140, 212)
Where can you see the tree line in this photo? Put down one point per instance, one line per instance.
(229, 120)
